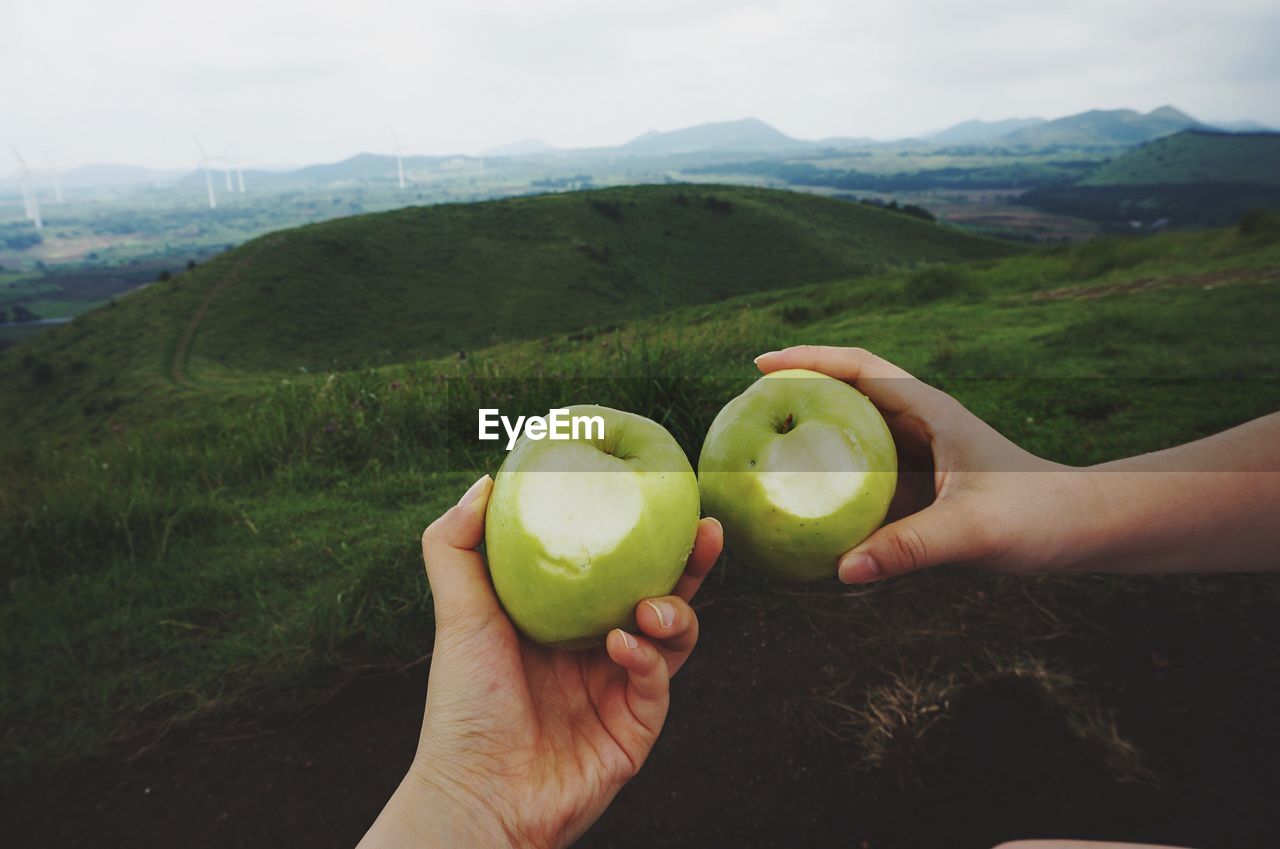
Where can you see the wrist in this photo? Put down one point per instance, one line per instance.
(1048, 519)
(1082, 517)
(428, 812)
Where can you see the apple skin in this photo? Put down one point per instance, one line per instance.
(559, 575)
(823, 412)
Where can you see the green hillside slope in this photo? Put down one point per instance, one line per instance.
(238, 545)
(436, 280)
(1196, 156)
(432, 281)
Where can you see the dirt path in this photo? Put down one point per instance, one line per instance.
(181, 352)
(753, 754)
(1207, 280)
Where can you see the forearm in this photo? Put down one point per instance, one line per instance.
(420, 816)
(1208, 506)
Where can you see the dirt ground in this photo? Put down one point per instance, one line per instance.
(947, 709)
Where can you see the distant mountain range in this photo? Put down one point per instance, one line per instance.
(1102, 128)
(749, 135)
(89, 176)
(524, 147)
(1115, 128)
(980, 132)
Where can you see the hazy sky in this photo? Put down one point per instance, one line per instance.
(288, 81)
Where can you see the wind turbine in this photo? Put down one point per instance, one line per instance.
(399, 151)
(233, 159)
(205, 162)
(30, 202)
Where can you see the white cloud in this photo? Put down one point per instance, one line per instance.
(294, 81)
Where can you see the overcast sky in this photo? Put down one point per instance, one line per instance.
(296, 82)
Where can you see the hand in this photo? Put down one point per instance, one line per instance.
(965, 493)
(523, 745)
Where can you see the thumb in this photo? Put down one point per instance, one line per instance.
(941, 533)
(458, 576)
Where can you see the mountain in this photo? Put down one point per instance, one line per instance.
(88, 176)
(99, 176)
(748, 135)
(979, 132)
(846, 141)
(1196, 156)
(1102, 128)
(524, 147)
(363, 166)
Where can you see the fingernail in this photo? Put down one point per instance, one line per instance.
(666, 613)
(628, 640)
(859, 568)
(474, 492)
(762, 356)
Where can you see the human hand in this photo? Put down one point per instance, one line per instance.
(523, 745)
(965, 493)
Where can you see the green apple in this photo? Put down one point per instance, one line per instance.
(799, 469)
(579, 531)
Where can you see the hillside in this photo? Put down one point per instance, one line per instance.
(1102, 128)
(1196, 156)
(746, 135)
(430, 281)
(249, 544)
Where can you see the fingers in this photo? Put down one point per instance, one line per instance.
(706, 551)
(459, 579)
(673, 626)
(648, 679)
(891, 389)
(942, 533)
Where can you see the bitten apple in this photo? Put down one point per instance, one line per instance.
(579, 531)
(799, 468)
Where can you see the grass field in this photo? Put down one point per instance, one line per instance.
(244, 534)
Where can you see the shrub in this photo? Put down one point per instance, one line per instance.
(717, 205)
(794, 315)
(1259, 222)
(609, 209)
(934, 283)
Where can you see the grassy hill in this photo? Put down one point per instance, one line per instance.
(1102, 128)
(242, 541)
(1196, 156)
(431, 281)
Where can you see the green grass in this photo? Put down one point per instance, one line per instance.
(1196, 157)
(436, 280)
(175, 550)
